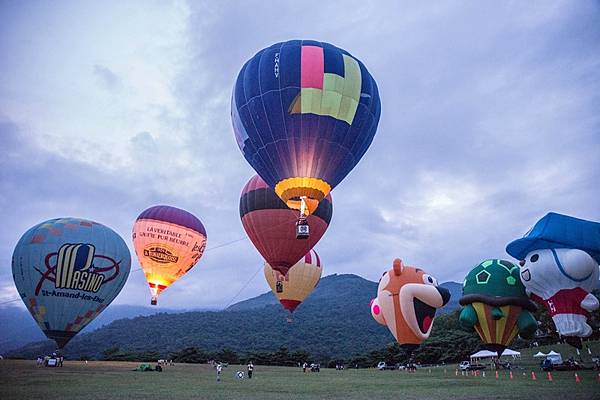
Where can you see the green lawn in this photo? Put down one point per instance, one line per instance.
(115, 380)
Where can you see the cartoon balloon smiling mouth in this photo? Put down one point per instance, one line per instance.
(419, 303)
(526, 275)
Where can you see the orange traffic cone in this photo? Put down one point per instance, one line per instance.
(533, 378)
(577, 380)
(496, 374)
(549, 376)
(511, 375)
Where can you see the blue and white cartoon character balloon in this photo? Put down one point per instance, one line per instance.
(559, 260)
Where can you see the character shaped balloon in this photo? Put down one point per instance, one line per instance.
(407, 299)
(559, 260)
(292, 288)
(168, 242)
(496, 305)
(304, 113)
(67, 271)
(266, 220)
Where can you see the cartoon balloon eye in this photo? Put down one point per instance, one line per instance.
(382, 275)
(534, 258)
(429, 280)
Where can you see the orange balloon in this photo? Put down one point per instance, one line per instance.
(407, 299)
(292, 288)
(168, 242)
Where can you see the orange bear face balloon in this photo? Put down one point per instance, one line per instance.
(407, 299)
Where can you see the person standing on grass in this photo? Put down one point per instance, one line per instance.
(219, 369)
(250, 369)
(304, 367)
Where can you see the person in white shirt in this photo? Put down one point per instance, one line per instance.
(250, 369)
(219, 369)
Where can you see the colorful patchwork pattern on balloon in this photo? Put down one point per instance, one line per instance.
(67, 271)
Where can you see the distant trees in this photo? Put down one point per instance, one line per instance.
(448, 343)
(115, 354)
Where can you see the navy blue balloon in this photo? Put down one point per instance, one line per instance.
(304, 113)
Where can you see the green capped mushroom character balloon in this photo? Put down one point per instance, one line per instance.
(495, 304)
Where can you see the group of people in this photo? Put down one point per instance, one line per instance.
(219, 369)
(313, 367)
(53, 361)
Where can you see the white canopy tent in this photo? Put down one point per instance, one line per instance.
(554, 357)
(539, 354)
(512, 353)
(492, 354)
(483, 354)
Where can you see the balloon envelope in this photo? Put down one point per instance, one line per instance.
(407, 299)
(298, 283)
(269, 224)
(67, 271)
(496, 305)
(304, 113)
(168, 242)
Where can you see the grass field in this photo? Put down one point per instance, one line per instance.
(115, 380)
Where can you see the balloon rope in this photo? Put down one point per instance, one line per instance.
(243, 287)
(10, 301)
(207, 250)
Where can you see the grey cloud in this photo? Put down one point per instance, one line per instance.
(106, 77)
(489, 121)
(144, 140)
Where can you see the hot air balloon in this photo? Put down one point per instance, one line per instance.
(68, 270)
(559, 260)
(292, 288)
(168, 242)
(407, 299)
(267, 219)
(304, 113)
(495, 304)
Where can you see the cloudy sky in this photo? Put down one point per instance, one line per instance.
(490, 119)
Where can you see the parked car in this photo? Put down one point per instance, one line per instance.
(467, 366)
(569, 365)
(383, 366)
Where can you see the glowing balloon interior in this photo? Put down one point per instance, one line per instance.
(168, 242)
(67, 271)
(294, 287)
(304, 113)
(269, 224)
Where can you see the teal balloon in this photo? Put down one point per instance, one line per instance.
(67, 271)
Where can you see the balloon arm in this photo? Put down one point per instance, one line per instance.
(527, 324)
(590, 303)
(468, 317)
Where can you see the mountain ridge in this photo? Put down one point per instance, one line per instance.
(334, 321)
